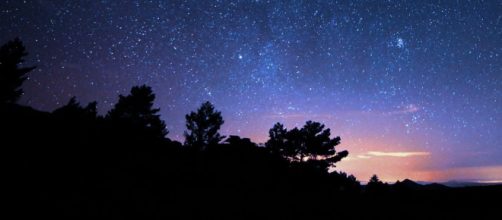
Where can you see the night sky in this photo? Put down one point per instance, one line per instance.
(414, 88)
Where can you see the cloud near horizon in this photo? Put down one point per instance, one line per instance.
(396, 154)
(399, 154)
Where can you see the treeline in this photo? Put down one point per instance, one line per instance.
(133, 118)
(122, 163)
(74, 163)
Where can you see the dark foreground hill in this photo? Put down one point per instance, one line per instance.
(76, 167)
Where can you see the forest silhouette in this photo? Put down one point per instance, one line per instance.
(74, 163)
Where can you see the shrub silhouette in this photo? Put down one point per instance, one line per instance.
(73, 109)
(11, 75)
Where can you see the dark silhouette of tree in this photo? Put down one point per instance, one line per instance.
(319, 147)
(203, 126)
(294, 146)
(311, 144)
(277, 142)
(374, 180)
(74, 109)
(375, 185)
(238, 141)
(345, 182)
(11, 75)
(136, 110)
(77, 124)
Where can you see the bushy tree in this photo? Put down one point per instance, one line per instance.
(317, 140)
(312, 144)
(277, 142)
(136, 110)
(203, 126)
(11, 75)
(294, 147)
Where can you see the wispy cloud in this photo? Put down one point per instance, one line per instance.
(363, 157)
(407, 109)
(490, 181)
(399, 110)
(299, 116)
(397, 154)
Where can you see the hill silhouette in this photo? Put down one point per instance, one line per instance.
(73, 163)
(407, 184)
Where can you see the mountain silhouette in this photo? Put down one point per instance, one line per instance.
(408, 184)
(435, 186)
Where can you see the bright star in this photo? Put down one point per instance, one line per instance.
(400, 42)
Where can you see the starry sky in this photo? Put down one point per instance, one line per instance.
(414, 88)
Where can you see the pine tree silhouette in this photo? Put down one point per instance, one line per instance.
(375, 185)
(11, 75)
(136, 110)
(374, 180)
(203, 126)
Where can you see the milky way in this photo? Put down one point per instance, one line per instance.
(418, 82)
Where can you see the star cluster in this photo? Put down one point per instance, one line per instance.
(387, 76)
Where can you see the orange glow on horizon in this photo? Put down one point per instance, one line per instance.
(392, 156)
